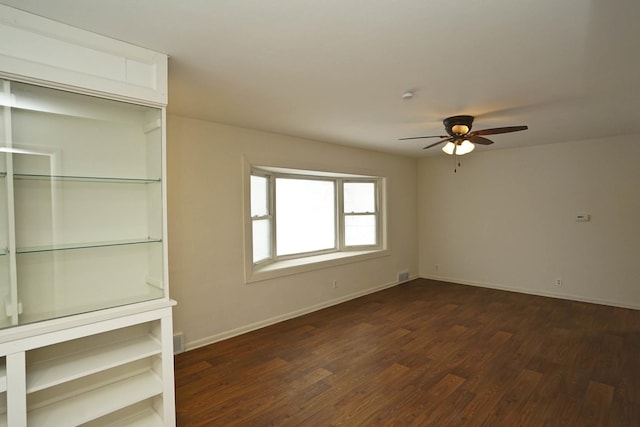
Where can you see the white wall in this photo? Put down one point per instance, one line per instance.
(205, 162)
(506, 219)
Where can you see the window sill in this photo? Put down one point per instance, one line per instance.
(302, 265)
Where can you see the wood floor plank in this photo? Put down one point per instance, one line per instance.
(423, 353)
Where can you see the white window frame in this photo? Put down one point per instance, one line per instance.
(269, 216)
(277, 266)
(344, 215)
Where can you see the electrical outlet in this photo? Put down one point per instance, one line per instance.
(558, 282)
(437, 267)
(335, 283)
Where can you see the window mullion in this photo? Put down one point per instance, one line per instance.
(272, 211)
(376, 186)
(339, 214)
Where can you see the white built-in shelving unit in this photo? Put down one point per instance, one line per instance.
(85, 314)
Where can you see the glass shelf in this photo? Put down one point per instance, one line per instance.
(152, 294)
(84, 179)
(89, 245)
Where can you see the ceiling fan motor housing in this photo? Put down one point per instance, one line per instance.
(450, 122)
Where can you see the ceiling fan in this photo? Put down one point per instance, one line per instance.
(461, 140)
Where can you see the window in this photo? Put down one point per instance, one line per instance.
(305, 219)
(297, 214)
(360, 218)
(261, 217)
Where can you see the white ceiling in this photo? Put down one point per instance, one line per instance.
(335, 70)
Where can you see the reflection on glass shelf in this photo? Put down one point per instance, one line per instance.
(3, 174)
(152, 294)
(70, 246)
(4, 251)
(84, 178)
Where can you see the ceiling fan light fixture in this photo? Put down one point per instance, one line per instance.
(459, 148)
(465, 147)
(449, 148)
(460, 129)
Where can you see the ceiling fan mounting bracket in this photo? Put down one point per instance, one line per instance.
(452, 121)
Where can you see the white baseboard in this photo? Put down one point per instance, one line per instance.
(570, 297)
(297, 313)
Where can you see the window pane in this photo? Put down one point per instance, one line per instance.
(359, 230)
(261, 239)
(259, 196)
(359, 197)
(305, 215)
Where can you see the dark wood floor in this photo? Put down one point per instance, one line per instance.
(423, 353)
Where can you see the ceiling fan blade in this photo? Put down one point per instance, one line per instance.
(495, 131)
(479, 140)
(421, 137)
(439, 142)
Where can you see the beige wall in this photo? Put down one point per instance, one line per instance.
(205, 175)
(507, 219)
